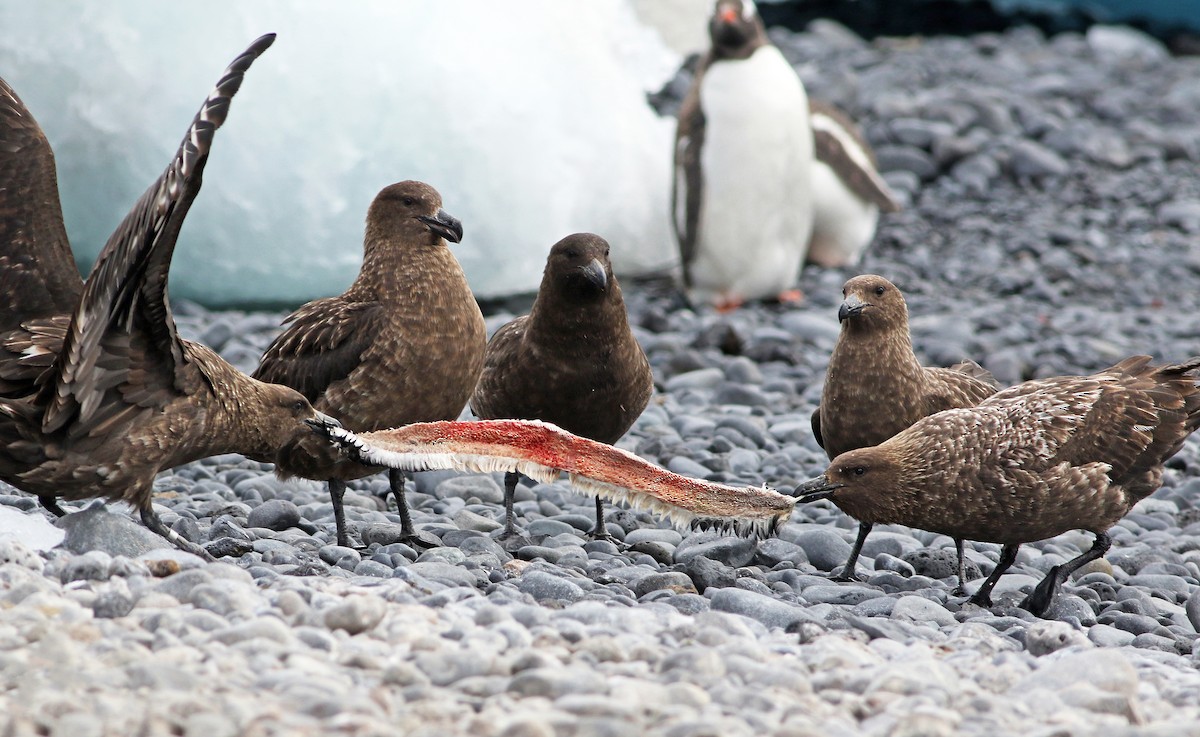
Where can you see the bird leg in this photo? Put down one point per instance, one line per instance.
(155, 525)
(409, 535)
(1042, 596)
(849, 571)
(337, 490)
(51, 504)
(510, 538)
(983, 597)
(962, 569)
(599, 532)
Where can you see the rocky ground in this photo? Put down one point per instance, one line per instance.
(1051, 224)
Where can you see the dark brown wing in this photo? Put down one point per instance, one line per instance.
(833, 132)
(38, 276)
(492, 397)
(688, 185)
(323, 343)
(1141, 418)
(816, 426)
(962, 385)
(122, 349)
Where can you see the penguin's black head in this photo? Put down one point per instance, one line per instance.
(736, 29)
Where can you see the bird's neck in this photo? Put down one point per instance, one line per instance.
(391, 270)
(868, 351)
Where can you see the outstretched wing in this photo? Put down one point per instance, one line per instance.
(122, 350)
(38, 276)
(323, 343)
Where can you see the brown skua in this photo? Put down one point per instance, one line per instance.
(403, 344)
(1031, 462)
(98, 392)
(875, 386)
(572, 361)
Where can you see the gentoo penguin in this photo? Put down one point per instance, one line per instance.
(848, 192)
(742, 200)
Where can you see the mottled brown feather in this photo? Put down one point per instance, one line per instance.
(38, 276)
(99, 398)
(573, 361)
(1032, 461)
(403, 344)
(875, 386)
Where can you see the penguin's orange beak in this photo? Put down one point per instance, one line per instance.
(728, 15)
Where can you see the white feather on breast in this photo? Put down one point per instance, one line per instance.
(756, 212)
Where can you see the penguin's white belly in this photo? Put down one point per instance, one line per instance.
(756, 208)
(843, 224)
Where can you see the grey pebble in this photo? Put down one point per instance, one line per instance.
(825, 549)
(276, 514)
(544, 587)
(763, 608)
(355, 615)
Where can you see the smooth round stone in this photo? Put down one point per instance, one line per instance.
(661, 553)
(113, 602)
(275, 514)
(766, 609)
(91, 566)
(381, 533)
(180, 585)
(225, 526)
(920, 610)
(732, 551)
(548, 528)
(887, 562)
(840, 594)
(373, 568)
(773, 551)
(1152, 641)
(1136, 623)
(879, 606)
(452, 556)
(355, 614)
(542, 552)
(672, 581)
(440, 572)
(545, 587)
(688, 603)
(1046, 637)
(825, 549)
(685, 466)
(655, 534)
(705, 378)
(708, 573)
(1173, 587)
(335, 554)
(1192, 608)
(1107, 636)
(481, 486)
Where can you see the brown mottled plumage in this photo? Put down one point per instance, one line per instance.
(403, 344)
(1031, 462)
(572, 361)
(875, 387)
(99, 393)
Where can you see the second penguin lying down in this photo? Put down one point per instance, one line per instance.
(572, 361)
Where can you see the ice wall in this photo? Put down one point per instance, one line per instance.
(528, 116)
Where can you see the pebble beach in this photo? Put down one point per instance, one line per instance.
(1052, 212)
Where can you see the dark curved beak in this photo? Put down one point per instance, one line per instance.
(594, 272)
(852, 307)
(322, 424)
(444, 224)
(818, 488)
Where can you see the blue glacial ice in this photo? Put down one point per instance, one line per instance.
(529, 117)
